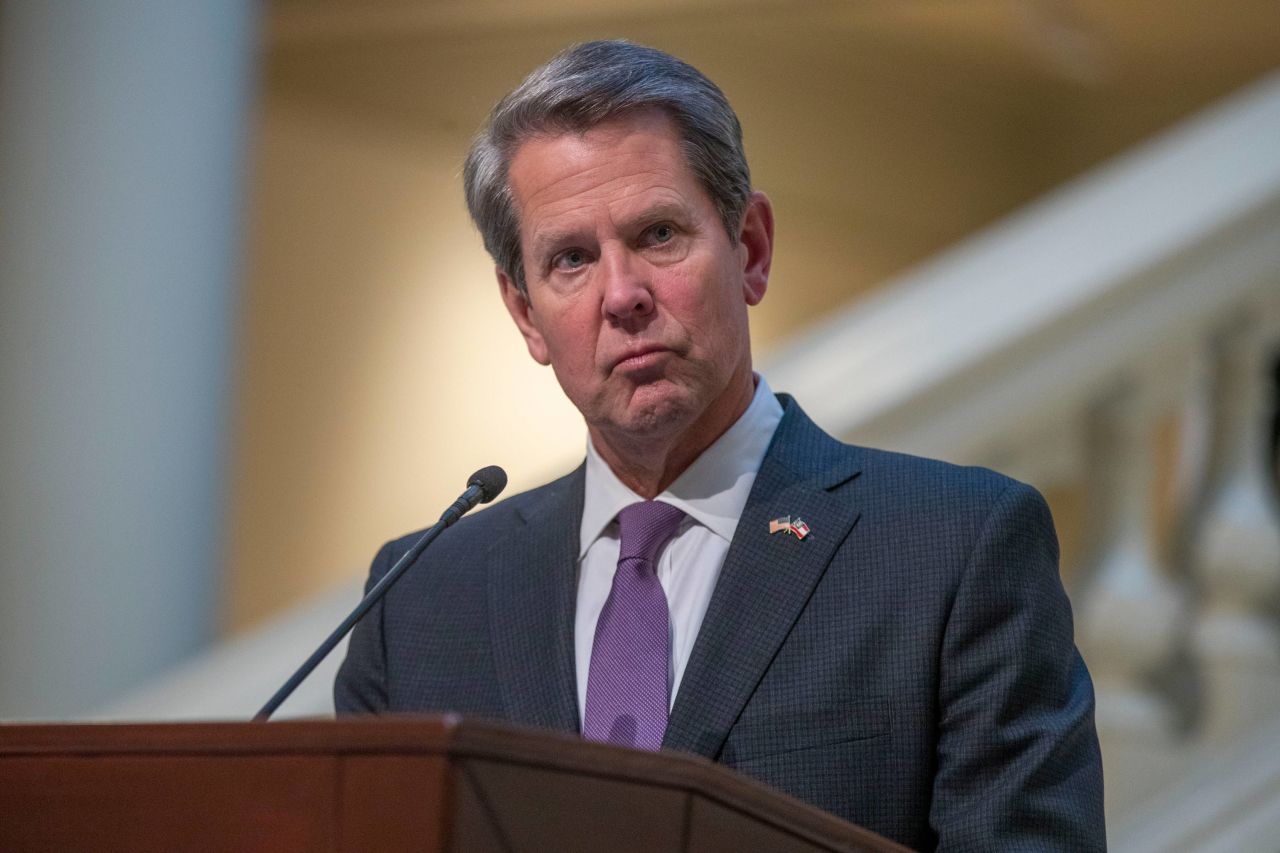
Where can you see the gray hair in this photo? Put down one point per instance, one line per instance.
(585, 86)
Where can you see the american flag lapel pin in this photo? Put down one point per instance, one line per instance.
(786, 524)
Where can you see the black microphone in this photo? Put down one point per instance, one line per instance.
(483, 486)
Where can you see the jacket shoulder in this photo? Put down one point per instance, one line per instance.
(812, 453)
(919, 471)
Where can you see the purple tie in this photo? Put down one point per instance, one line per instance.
(628, 691)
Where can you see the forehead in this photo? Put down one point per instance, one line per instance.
(631, 161)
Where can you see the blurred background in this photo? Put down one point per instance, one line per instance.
(247, 332)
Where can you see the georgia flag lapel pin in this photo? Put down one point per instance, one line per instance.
(786, 524)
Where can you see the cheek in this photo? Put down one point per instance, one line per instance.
(571, 337)
(710, 307)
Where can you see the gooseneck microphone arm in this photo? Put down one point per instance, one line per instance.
(484, 486)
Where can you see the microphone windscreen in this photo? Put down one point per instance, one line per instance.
(491, 480)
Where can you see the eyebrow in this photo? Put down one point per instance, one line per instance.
(661, 211)
(547, 241)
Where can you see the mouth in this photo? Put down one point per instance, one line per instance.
(639, 359)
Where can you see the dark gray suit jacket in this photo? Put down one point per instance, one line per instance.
(908, 666)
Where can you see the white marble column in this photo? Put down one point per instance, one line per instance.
(122, 138)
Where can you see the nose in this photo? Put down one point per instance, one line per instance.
(627, 290)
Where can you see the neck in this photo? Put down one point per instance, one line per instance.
(649, 464)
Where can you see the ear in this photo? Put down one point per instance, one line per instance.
(756, 239)
(520, 310)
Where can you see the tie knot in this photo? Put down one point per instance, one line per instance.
(645, 528)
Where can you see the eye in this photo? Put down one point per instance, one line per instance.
(663, 232)
(569, 259)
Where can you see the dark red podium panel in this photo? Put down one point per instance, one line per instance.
(434, 784)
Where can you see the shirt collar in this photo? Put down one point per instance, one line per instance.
(712, 491)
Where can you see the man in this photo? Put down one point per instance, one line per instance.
(883, 636)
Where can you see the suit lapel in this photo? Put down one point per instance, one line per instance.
(532, 592)
(766, 580)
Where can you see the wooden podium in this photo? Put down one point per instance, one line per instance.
(428, 784)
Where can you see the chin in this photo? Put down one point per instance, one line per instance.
(656, 410)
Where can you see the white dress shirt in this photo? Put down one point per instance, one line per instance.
(712, 492)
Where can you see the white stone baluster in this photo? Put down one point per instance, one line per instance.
(1130, 608)
(1236, 550)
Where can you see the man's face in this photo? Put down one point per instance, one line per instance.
(637, 297)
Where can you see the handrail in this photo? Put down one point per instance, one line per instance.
(938, 360)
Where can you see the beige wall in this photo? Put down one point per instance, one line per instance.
(375, 378)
